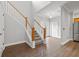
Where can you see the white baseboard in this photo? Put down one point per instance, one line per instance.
(14, 43)
(63, 43)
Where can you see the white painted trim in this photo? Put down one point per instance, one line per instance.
(1, 51)
(14, 43)
(63, 43)
(33, 44)
(29, 43)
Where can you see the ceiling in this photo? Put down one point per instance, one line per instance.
(37, 5)
(53, 8)
(72, 6)
(48, 8)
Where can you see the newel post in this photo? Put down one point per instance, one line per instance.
(33, 33)
(44, 33)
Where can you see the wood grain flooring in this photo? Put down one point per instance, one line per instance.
(52, 49)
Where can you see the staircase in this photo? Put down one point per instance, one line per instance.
(36, 33)
(38, 39)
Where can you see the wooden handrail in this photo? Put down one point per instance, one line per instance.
(27, 22)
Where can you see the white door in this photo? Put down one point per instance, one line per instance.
(55, 29)
(1, 30)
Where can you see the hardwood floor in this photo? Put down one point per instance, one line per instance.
(52, 49)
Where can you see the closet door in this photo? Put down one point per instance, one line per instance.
(1, 30)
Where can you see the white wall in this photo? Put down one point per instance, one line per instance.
(37, 5)
(25, 7)
(14, 30)
(66, 25)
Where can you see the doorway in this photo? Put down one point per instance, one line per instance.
(55, 29)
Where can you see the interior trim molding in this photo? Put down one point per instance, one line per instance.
(65, 42)
(14, 43)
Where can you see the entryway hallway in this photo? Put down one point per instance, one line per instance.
(53, 49)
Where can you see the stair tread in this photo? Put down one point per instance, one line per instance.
(35, 32)
(36, 35)
(38, 42)
(37, 39)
